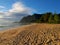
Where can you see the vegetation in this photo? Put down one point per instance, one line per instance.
(42, 18)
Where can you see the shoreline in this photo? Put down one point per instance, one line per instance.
(17, 27)
(28, 25)
(40, 32)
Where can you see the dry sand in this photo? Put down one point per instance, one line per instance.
(32, 34)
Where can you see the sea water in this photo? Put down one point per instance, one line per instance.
(4, 26)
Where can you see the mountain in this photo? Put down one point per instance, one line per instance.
(41, 18)
(30, 18)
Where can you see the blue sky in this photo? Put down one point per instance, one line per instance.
(15, 9)
(40, 6)
(43, 6)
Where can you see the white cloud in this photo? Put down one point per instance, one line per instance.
(1, 15)
(19, 7)
(2, 7)
(17, 11)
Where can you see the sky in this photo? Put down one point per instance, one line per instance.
(14, 10)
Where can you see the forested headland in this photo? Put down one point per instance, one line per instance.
(42, 18)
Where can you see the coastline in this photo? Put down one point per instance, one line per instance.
(31, 31)
(31, 25)
(17, 27)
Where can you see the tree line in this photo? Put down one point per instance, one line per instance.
(42, 18)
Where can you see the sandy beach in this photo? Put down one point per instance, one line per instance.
(39, 34)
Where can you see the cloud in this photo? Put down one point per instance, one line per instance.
(19, 8)
(1, 15)
(1, 7)
(17, 11)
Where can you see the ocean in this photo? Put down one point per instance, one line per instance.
(4, 26)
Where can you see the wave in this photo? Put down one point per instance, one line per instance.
(4, 26)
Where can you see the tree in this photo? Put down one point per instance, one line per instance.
(46, 16)
(56, 18)
(41, 20)
(51, 19)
